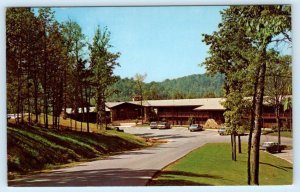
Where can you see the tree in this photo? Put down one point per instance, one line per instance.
(228, 59)
(139, 81)
(102, 64)
(263, 23)
(75, 43)
(22, 61)
(46, 21)
(253, 27)
(278, 81)
(57, 51)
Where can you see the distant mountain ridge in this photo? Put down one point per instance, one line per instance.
(191, 86)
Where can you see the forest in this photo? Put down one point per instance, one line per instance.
(188, 87)
(52, 66)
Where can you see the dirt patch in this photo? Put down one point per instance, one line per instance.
(153, 141)
(211, 123)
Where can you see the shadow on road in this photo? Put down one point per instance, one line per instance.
(104, 177)
(168, 178)
(108, 177)
(164, 136)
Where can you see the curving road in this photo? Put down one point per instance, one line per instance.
(133, 168)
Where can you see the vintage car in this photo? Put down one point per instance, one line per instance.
(163, 125)
(195, 127)
(153, 125)
(272, 147)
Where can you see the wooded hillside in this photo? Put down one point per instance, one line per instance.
(192, 86)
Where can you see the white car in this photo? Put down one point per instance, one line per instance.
(195, 127)
(153, 125)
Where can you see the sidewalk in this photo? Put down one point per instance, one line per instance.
(286, 155)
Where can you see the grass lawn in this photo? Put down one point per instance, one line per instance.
(32, 149)
(283, 134)
(212, 165)
(64, 123)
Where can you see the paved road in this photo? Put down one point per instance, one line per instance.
(132, 168)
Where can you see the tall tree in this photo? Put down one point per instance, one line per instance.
(58, 59)
(102, 64)
(278, 80)
(139, 81)
(259, 25)
(75, 43)
(46, 21)
(226, 58)
(22, 43)
(263, 23)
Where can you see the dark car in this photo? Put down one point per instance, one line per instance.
(195, 127)
(222, 131)
(153, 125)
(163, 125)
(272, 147)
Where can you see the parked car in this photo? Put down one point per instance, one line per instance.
(153, 125)
(195, 127)
(222, 131)
(163, 125)
(272, 147)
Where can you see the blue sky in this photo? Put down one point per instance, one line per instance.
(163, 42)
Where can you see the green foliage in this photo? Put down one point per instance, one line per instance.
(102, 64)
(192, 86)
(237, 109)
(239, 50)
(50, 69)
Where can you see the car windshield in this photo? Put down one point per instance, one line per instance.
(194, 125)
(269, 143)
(153, 123)
(162, 123)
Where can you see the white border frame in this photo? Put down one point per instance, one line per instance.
(296, 91)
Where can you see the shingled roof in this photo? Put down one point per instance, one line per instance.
(200, 104)
(211, 104)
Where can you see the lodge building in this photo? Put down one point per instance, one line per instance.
(180, 111)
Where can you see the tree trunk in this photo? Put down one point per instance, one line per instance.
(258, 115)
(234, 146)
(87, 110)
(46, 112)
(278, 127)
(82, 108)
(252, 127)
(58, 123)
(22, 111)
(18, 101)
(29, 108)
(240, 144)
(36, 101)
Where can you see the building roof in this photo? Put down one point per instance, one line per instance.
(179, 102)
(113, 104)
(211, 104)
(201, 104)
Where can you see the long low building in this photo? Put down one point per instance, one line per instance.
(179, 112)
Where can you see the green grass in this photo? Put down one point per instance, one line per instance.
(288, 134)
(33, 149)
(212, 165)
(64, 123)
